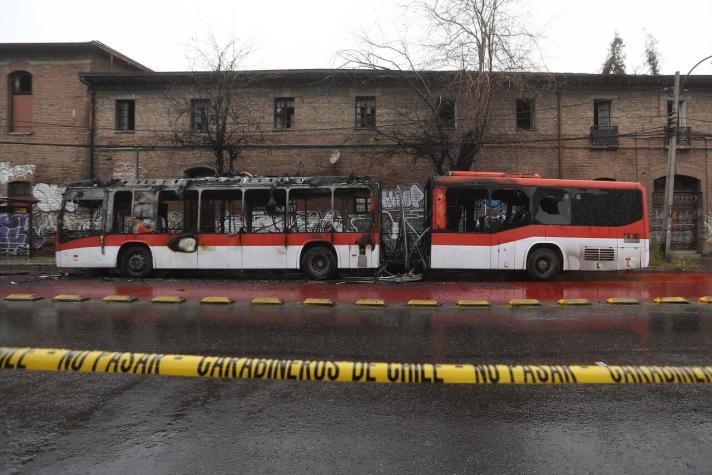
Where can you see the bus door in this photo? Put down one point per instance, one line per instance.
(177, 220)
(221, 226)
(508, 211)
(264, 241)
(460, 238)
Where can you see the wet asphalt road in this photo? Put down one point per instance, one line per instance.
(116, 423)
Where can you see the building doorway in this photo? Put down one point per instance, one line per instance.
(686, 203)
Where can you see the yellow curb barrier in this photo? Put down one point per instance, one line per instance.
(226, 367)
(370, 303)
(704, 300)
(319, 302)
(472, 303)
(22, 297)
(217, 300)
(677, 300)
(622, 301)
(168, 299)
(119, 298)
(266, 301)
(69, 298)
(524, 303)
(574, 302)
(423, 303)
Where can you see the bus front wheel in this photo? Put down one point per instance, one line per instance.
(543, 264)
(136, 261)
(319, 263)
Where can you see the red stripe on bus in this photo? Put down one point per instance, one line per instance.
(245, 239)
(548, 231)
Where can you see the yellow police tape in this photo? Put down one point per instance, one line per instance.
(43, 359)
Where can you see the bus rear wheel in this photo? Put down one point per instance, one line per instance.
(136, 261)
(543, 264)
(319, 263)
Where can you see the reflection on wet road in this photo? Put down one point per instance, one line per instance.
(122, 423)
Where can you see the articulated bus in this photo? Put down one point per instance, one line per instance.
(321, 225)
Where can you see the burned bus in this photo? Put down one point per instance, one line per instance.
(316, 224)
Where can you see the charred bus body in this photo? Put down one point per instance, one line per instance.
(316, 224)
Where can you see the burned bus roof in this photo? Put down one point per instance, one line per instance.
(532, 181)
(252, 181)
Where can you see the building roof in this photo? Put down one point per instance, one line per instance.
(316, 76)
(88, 46)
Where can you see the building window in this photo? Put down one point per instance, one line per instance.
(20, 116)
(199, 114)
(525, 113)
(363, 204)
(125, 110)
(684, 134)
(284, 113)
(602, 116)
(446, 112)
(365, 112)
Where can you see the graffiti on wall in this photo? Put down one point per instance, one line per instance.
(14, 234)
(413, 208)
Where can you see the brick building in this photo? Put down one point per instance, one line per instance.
(565, 125)
(43, 102)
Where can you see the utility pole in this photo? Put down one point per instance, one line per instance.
(670, 175)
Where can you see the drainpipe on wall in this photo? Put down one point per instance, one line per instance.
(92, 128)
(558, 127)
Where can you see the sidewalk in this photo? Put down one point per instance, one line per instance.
(27, 261)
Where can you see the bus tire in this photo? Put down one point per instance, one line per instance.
(543, 264)
(136, 261)
(319, 263)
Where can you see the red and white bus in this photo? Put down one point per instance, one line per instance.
(488, 220)
(474, 220)
(317, 224)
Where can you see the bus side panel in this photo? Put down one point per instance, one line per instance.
(460, 251)
(86, 252)
(219, 251)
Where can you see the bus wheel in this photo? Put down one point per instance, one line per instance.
(136, 261)
(543, 264)
(319, 263)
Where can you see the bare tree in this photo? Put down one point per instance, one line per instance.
(615, 59)
(470, 50)
(652, 55)
(206, 111)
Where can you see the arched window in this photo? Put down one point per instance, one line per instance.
(20, 116)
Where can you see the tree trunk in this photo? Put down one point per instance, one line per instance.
(469, 148)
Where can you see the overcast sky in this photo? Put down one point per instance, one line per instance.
(306, 34)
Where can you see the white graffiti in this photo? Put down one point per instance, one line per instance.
(49, 197)
(412, 197)
(10, 172)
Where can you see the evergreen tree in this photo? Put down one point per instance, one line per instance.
(652, 56)
(615, 61)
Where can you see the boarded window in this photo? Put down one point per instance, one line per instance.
(525, 113)
(20, 116)
(365, 112)
(125, 114)
(221, 212)
(552, 206)
(121, 220)
(284, 113)
(602, 113)
(446, 112)
(177, 214)
(199, 114)
(348, 215)
(265, 210)
(310, 211)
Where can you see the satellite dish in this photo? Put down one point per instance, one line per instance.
(335, 155)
